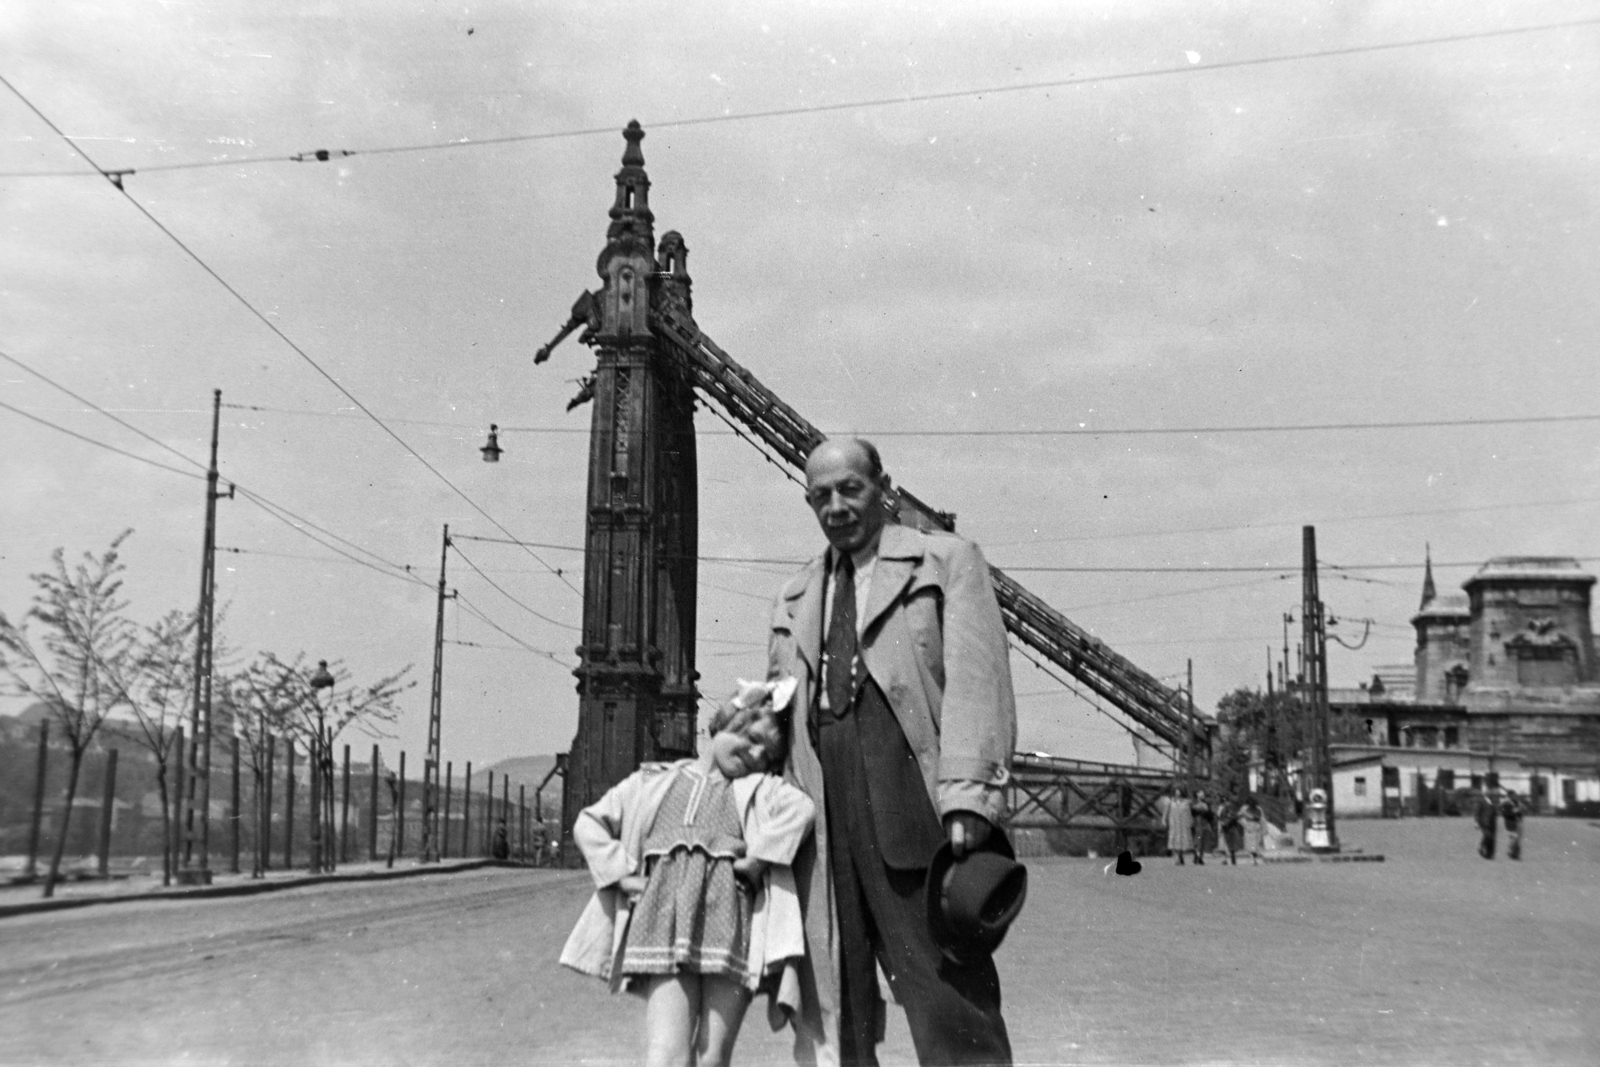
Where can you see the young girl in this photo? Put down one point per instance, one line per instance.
(695, 902)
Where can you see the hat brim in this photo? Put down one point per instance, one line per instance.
(950, 943)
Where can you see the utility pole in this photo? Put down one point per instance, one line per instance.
(1315, 693)
(1189, 773)
(1283, 668)
(430, 767)
(199, 777)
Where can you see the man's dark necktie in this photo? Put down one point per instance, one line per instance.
(841, 644)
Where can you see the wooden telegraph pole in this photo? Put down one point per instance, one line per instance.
(197, 838)
(431, 851)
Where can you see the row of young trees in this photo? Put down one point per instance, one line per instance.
(77, 652)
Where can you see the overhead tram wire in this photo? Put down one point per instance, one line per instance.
(478, 613)
(496, 648)
(327, 155)
(1277, 570)
(200, 477)
(1521, 504)
(1191, 591)
(101, 444)
(1263, 568)
(782, 468)
(501, 590)
(116, 183)
(1077, 431)
(254, 497)
(1088, 698)
(765, 560)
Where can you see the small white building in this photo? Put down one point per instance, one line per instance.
(1377, 780)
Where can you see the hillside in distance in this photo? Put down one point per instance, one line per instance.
(526, 771)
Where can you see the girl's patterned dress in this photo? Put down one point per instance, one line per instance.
(694, 914)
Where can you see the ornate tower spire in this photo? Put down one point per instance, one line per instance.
(630, 215)
(636, 682)
(1428, 592)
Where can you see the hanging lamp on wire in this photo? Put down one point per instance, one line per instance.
(491, 451)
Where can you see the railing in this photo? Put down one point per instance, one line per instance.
(1050, 793)
(115, 823)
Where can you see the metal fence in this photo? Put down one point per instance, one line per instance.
(260, 815)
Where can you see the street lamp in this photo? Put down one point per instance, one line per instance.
(321, 781)
(491, 451)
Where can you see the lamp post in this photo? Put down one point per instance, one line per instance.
(321, 786)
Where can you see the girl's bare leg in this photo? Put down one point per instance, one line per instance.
(672, 1008)
(722, 1006)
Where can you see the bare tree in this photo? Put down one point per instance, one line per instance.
(284, 686)
(69, 666)
(155, 683)
(275, 696)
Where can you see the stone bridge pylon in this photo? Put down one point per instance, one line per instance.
(636, 678)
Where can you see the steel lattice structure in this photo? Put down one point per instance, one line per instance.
(719, 378)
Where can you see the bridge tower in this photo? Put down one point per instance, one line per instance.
(636, 675)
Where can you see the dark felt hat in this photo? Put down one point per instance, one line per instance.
(972, 901)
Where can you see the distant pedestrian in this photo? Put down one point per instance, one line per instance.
(1485, 813)
(1232, 833)
(501, 848)
(1254, 825)
(1180, 826)
(1205, 827)
(1511, 815)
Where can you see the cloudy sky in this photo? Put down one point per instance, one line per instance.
(1174, 239)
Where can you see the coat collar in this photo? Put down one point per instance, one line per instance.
(900, 549)
(803, 598)
(899, 552)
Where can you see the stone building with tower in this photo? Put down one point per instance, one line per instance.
(1506, 684)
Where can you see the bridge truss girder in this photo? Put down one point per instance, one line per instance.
(1149, 705)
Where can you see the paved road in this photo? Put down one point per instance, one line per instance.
(1432, 957)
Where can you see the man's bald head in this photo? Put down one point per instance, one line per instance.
(845, 487)
(860, 453)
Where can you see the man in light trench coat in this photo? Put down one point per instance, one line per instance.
(905, 722)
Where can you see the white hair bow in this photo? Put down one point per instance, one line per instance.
(752, 693)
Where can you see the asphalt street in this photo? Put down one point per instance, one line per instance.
(1433, 957)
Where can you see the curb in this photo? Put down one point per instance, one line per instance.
(251, 888)
(1333, 857)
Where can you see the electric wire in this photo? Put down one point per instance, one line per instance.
(101, 444)
(782, 468)
(341, 555)
(405, 570)
(397, 574)
(1187, 531)
(501, 590)
(258, 499)
(1089, 698)
(270, 325)
(1108, 431)
(326, 155)
(497, 648)
(1305, 427)
(771, 561)
(1174, 532)
(1177, 593)
(478, 613)
(736, 592)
